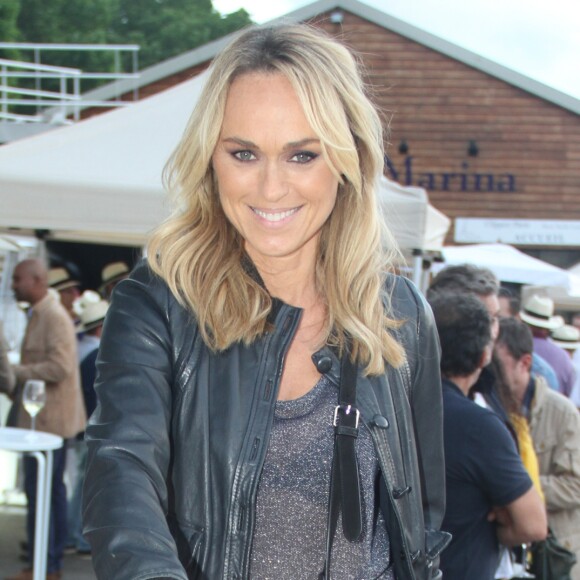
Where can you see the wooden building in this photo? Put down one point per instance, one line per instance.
(499, 153)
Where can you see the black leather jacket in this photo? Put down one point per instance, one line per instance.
(178, 439)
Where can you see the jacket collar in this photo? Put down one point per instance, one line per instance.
(44, 303)
(541, 388)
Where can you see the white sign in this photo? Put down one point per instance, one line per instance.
(517, 232)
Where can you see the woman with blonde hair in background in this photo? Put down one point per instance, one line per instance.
(269, 399)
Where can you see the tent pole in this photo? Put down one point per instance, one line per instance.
(417, 267)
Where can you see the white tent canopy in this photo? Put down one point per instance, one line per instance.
(511, 265)
(100, 179)
(564, 298)
(415, 224)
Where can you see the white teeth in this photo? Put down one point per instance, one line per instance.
(274, 217)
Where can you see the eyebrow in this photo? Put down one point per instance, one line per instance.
(291, 145)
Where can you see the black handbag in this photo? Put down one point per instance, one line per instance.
(551, 560)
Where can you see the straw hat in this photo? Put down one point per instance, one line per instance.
(60, 279)
(112, 273)
(567, 336)
(86, 298)
(539, 311)
(93, 315)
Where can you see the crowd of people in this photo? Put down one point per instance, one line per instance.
(271, 400)
(59, 347)
(511, 431)
(512, 439)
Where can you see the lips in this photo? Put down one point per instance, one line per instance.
(277, 216)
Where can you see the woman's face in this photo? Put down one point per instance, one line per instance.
(275, 186)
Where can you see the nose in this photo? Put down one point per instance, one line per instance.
(273, 182)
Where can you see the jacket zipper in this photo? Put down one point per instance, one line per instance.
(288, 327)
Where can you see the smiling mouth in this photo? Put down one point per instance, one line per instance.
(275, 216)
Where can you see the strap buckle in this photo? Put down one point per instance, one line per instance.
(348, 409)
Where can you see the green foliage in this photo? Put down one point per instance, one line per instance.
(69, 21)
(166, 28)
(163, 28)
(8, 27)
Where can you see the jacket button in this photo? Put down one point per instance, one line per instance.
(381, 422)
(324, 364)
(399, 492)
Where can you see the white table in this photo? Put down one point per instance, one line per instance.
(40, 445)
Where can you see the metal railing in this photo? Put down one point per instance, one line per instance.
(55, 105)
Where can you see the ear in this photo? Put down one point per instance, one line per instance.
(526, 360)
(486, 356)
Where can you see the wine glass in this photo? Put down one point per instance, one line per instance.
(521, 570)
(34, 398)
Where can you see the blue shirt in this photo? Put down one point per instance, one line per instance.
(559, 360)
(483, 470)
(541, 367)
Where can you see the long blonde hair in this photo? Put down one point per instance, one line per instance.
(200, 254)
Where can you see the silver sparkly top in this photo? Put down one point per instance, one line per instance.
(292, 503)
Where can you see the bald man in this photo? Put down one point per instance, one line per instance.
(48, 353)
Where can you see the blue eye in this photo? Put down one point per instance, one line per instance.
(244, 155)
(303, 157)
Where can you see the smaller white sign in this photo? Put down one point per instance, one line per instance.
(517, 231)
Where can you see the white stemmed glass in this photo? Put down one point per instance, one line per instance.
(34, 398)
(521, 570)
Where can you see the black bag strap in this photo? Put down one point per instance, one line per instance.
(344, 494)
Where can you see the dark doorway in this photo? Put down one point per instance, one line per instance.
(86, 261)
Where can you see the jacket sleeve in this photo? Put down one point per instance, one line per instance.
(562, 485)
(125, 498)
(421, 343)
(60, 356)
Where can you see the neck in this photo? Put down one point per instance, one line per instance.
(465, 383)
(519, 391)
(291, 279)
(37, 298)
(539, 332)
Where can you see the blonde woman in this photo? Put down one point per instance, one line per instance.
(269, 395)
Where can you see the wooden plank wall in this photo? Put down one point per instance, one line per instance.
(437, 105)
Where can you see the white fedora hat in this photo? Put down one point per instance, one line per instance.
(93, 315)
(86, 298)
(567, 336)
(539, 311)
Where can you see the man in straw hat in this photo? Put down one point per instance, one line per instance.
(60, 279)
(538, 314)
(111, 275)
(567, 337)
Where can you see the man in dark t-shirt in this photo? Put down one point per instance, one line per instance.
(490, 497)
(483, 469)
